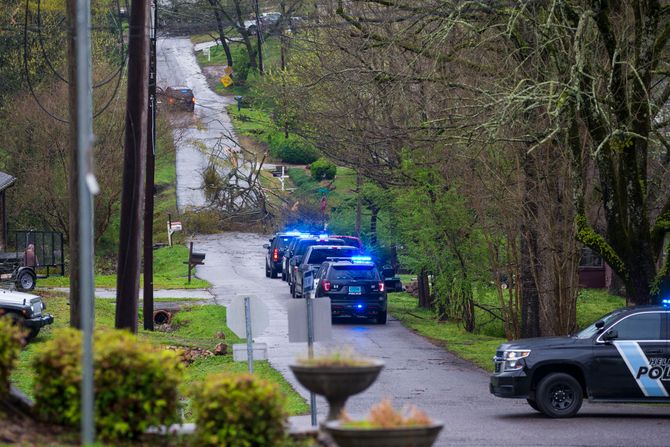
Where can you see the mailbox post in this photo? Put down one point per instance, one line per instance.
(193, 260)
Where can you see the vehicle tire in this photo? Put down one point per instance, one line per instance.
(559, 395)
(267, 270)
(381, 318)
(292, 289)
(273, 272)
(17, 320)
(26, 280)
(533, 405)
(283, 275)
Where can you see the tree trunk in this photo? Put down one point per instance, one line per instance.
(359, 203)
(425, 300)
(530, 299)
(374, 210)
(222, 33)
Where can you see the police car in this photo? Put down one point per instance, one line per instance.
(623, 357)
(355, 288)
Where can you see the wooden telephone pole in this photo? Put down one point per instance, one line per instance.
(134, 161)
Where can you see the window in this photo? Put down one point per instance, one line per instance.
(320, 255)
(645, 326)
(590, 258)
(358, 272)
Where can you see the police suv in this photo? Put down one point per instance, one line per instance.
(623, 357)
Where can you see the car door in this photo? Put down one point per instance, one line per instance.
(629, 358)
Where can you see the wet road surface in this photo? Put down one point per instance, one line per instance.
(418, 372)
(205, 133)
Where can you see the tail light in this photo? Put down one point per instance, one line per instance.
(275, 255)
(193, 100)
(381, 286)
(326, 286)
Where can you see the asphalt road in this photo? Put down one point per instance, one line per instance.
(205, 133)
(418, 372)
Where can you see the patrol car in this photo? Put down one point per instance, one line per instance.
(623, 357)
(355, 288)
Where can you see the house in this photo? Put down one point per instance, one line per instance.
(6, 181)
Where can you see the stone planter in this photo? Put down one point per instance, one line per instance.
(337, 383)
(383, 437)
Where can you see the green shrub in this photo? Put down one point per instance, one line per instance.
(11, 339)
(292, 149)
(135, 383)
(322, 169)
(239, 410)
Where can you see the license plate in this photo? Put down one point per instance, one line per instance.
(354, 290)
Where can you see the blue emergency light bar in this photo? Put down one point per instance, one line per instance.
(293, 233)
(666, 302)
(359, 306)
(361, 259)
(323, 237)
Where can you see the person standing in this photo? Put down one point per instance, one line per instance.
(29, 257)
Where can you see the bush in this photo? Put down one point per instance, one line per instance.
(239, 410)
(11, 339)
(323, 169)
(135, 384)
(292, 149)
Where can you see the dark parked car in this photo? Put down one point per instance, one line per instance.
(317, 255)
(354, 287)
(276, 248)
(623, 357)
(351, 240)
(178, 97)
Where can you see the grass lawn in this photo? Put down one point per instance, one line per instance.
(170, 272)
(340, 189)
(479, 347)
(196, 326)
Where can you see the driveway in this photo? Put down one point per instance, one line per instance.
(418, 372)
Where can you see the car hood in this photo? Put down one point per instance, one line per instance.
(12, 297)
(539, 342)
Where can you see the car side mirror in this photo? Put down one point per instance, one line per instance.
(610, 335)
(298, 259)
(304, 268)
(266, 246)
(600, 324)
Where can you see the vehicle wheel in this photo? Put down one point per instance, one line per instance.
(17, 320)
(292, 290)
(559, 395)
(283, 275)
(267, 270)
(533, 404)
(26, 280)
(381, 318)
(273, 272)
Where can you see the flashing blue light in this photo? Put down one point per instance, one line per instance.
(359, 306)
(294, 233)
(666, 302)
(323, 236)
(361, 259)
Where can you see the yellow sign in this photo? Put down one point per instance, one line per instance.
(226, 80)
(228, 70)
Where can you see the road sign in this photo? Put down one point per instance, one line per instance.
(235, 317)
(228, 70)
(226, 80)
(175, 226)
(297, 320)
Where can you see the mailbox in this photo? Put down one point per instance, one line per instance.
(194, 258)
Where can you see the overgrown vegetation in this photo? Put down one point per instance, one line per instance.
(194, 326)
(11, 340)
(135, 383)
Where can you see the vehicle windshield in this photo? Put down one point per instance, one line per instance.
(321, 255)
(592, 330)
(357, 272)
(304, 245)
(283, 241)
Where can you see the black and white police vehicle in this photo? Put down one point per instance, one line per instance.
(623, 357)
(355, 288)
(314, 257)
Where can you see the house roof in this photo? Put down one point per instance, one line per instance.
(6, 180)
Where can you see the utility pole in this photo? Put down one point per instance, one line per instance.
(134, 161)
(259, 37)
(148, 309)
(73, 191)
